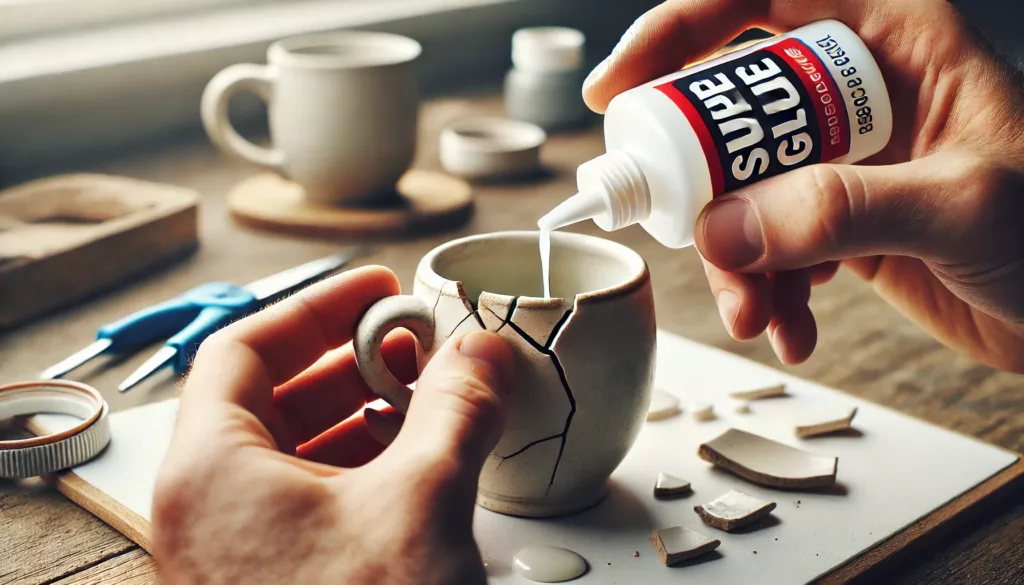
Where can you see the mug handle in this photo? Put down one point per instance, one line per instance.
(406, 311)
(258, 79)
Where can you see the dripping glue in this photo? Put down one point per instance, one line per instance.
(812, 95)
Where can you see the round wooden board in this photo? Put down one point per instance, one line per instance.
(425, 201)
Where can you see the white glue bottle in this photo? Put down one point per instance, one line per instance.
(812, 95)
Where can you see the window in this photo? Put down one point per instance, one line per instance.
(23, 18)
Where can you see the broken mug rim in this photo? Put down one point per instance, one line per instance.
(636, 267)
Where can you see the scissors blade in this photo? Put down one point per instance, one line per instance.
(290, 279)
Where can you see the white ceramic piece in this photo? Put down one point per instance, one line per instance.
(740, 406)
(477, 148)
(821, 421)
(663, 405)
(703, 412)
(343, 108)
(772, 391)
(549, 564)
(670, 486)
(733, 509)
(677, 544)
(583, 366)
(767, 462)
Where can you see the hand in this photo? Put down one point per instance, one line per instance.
(245, 494)
(936, 224)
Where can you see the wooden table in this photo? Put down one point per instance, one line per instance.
(865, 348)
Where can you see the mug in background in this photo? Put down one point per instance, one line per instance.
(584, 358)
(342, 107)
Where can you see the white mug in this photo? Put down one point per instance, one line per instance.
(342, 107)
(584, 360)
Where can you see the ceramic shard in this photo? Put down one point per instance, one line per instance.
(824, 421)
(767, 462)
(678, 543)
(663, 405)
(703, 412)
(733, 509)
(773, 391)
(495, 310)
(670, 486)
(740, 406)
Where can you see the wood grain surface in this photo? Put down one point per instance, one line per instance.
(865, 348)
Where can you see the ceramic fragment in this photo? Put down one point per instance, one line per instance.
(767, 462)
(663, 405)
(703, 412)
(740, 406)
(669, 486)
(679, 543)
(824, 421)
(732, 510)
(549, 564)
(773, 391)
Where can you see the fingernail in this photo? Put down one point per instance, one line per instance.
(729, 309)
(732, 234)
(381, 428)
(776, 345)
(493, 351)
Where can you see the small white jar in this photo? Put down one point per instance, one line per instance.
(544, 86)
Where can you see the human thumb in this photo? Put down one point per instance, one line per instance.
(942, 208)
(457, 411)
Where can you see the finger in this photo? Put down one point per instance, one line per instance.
(347, 444)
(679, 32)
(384, 424)
(744, 301)
(332, 388)
(242, 363)
(823, 273)
(792, 332)
(457, 411)
(939, 208)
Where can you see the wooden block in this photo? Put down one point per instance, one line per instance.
(66, 237)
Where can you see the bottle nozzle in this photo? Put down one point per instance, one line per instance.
(579, 207)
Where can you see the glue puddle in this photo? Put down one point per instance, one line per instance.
(549, 564)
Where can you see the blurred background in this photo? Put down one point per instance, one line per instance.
(81, 79)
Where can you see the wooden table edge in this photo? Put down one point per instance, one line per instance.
(880, 558)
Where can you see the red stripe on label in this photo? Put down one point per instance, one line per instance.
(706, 143)
(829, 106)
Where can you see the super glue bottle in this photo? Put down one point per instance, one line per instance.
(811, 95)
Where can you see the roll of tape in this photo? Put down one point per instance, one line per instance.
(49, 453)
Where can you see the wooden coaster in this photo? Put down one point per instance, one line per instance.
(425, 201)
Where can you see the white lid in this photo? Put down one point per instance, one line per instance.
(547, 49)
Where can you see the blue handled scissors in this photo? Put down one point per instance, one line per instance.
(192, 317)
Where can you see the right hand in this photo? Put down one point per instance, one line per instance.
(936, 223)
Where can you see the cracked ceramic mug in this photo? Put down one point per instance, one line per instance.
(584, 358)
(342, 109)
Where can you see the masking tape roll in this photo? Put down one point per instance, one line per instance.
(49, 453)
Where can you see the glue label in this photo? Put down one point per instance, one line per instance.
(779, 107)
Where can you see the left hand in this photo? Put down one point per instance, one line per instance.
(252, 489)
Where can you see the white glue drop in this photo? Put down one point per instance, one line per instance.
(549, 564)
(545, 261)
